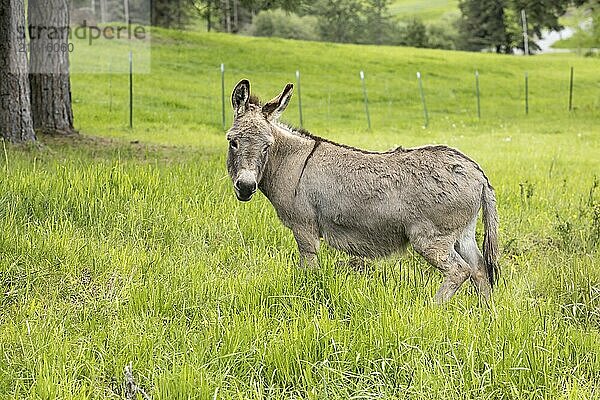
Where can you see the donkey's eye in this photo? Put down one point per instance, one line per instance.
(233, 144)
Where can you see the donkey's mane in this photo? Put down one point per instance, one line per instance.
(306, 134)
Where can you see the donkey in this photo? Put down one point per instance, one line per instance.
(368, 204)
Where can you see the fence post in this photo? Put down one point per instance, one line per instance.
(299, 97)
(364, 86)
(477, 93)
(571, 91)
(425, 113)
(223, 94)
(130, 90)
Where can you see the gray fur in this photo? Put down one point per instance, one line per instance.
(368, 204)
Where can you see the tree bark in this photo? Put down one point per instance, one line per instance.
(102, 10)
(49, 63)
(15, 110)
(235, 16)
(208, 15)
(126, 10)
(227, 16)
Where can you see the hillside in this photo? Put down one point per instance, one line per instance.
(185, 86)
(426, 10)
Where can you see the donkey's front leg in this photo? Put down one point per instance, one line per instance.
(308, 246)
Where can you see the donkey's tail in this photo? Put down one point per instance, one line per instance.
(490, 239)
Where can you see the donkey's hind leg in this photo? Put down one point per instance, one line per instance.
(439, 252)
(466, 246)
(456, 272)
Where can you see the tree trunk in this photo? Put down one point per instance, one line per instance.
(235, 16)
(208, 15)
(49, 61)
(15, 110)
(227, 15)
(102, 10)
(126, 10)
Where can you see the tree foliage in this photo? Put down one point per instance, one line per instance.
(482, 25)
(596, 24)
(232, 15)
(443, 34)
(340, 20)
(378, 21)
(285, 25)
(497, 24)
(171, 13)
(414, 34)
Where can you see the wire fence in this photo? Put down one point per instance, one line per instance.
(378, 100)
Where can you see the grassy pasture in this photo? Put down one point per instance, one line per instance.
(426, 10)
(127, 245)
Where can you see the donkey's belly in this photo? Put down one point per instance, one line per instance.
(365, 240)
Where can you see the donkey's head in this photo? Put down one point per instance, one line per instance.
(251, 137)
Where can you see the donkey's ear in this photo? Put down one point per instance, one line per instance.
(273, 109)
(240, 97)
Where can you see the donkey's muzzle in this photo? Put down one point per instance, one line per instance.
(244, 189)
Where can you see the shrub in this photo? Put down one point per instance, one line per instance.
(443, 34)
(285, 25)
(414, 33)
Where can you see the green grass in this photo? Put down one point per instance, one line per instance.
(128, 245)
(580, 41)
(425, 10)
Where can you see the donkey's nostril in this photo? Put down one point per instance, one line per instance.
(245, 189)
